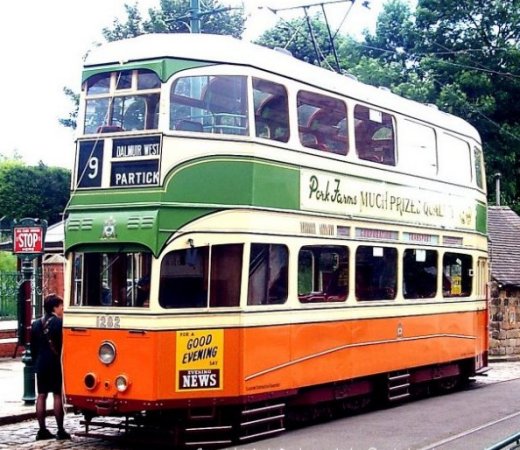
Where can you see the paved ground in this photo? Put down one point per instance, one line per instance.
(18, 427)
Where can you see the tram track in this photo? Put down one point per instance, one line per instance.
(464, 434)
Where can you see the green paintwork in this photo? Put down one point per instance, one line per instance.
(134, 229)
(235, 181)
(149, 216)
(481, 224)
(164, 68)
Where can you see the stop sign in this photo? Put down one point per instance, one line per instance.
(28, 240)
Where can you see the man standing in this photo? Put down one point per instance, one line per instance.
(46, 343)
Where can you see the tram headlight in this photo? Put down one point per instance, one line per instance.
(91, 381)
(122, 383)
(107, 352)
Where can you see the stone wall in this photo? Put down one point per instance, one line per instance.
(504, 321)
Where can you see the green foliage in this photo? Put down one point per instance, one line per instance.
(71, 121)
(173, 16)
(33, 191)
(7, 262)
(464, 57)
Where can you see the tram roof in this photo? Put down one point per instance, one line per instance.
(228, 50)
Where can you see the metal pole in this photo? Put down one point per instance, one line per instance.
(195, 16)
(497, 188)
(29, 394)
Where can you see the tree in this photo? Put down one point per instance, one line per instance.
(462, 56)
(33, 191)
(173, 16)
(472, 48)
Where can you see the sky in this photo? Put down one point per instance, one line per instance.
(43, 44)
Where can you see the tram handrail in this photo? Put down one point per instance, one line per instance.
(514, 438)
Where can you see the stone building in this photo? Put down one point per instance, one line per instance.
(504, 302)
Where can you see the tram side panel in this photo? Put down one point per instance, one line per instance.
(303, 355)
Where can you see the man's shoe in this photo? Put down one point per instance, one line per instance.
(44, 434)
(62, 435)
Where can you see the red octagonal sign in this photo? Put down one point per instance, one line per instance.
(28, 240)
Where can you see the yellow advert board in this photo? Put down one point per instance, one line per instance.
(200, 360)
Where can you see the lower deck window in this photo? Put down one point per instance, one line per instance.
(419, 273)
(376, 273)
(457, 275)
(322, 274)
(268, 274)
(188, 275)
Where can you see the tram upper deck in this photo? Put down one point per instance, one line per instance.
(175, 127)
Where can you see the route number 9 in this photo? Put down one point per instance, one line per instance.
(90, 164)
(93, 165)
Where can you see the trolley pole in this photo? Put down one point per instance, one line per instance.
(28, 243)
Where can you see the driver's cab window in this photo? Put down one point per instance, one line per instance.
(111, 279)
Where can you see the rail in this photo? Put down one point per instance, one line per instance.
(513, 439)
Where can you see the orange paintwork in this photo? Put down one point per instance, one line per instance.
(263, 359)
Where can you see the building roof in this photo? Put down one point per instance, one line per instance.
(504, 236)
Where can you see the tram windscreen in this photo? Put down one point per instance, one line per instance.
(111, 279)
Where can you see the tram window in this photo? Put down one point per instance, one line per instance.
(185, 273)
(457, 275)
(210, 104)
(454, 159)
(129, 112)
(479, 167)
(419, 273)
(268, 274)
(124, 80)
(96, 114)
(184, 281)
(99, 84)
(147, 80)
(417, 148)
(110, 279)
(322, 274)
(376, 273)
(107, 112)
(375, 135)
(271, 110)
(226, 273)
(322, 122)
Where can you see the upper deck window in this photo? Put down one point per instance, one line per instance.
(116, 101)
(210, 104)
(479, 167)
(375, 135)
(417, 148)
(271, 110)
(322, 122)
(454, 159)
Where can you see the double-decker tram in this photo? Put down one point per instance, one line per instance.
(252, 239)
